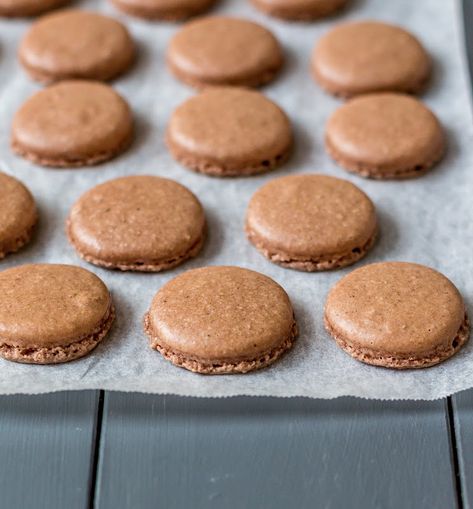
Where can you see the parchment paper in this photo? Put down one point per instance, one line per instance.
(428, 220)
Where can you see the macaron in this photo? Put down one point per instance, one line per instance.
(369, 56)
(75, 44)
(229, 131)
(52, 313)
(139, 223)
(311, 222)
(300, 10)
(385, 136)
(18, 215)
(72, 124)
(220, 50)
(170, 10)
(218, 320)
(26, 8)
(397, 315)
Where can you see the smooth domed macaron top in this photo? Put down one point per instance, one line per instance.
(163, 9)
(311, 215)
(300, 9)
(46, 305)
(72, 121)
(220, 50)
(28, 7)
(221, 313)
(18, 212)
(395, 308)
(137, 218)
(390, 132)
(231, 127)
(370, 56)
(76, 44)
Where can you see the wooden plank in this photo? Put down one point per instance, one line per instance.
(462, 404)
(47, 450)
(467, 6)
(171, 452)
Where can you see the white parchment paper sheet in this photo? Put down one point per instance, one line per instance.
(428, 220)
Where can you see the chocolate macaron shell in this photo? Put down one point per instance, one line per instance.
(228, 131)
(311, 222)
(141, 223)
(73, 44)
(26, 8)
(169, 10)
(300, 10)
(385, 136)
(398, 315)
(18, 215)
(369, 56)
(72, 124)
(51, 313)
(221, 320)
(219, 50)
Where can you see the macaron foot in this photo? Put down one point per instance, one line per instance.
(59, 354)
(377, 358)
(224, 367)
(144, 265)
(214, 169)
(300, 11)
(71, 162)
(326, 262)
(372, 171)
(163, 11)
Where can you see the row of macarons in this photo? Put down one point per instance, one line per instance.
(176, 10)
(309, 222)
(226, 319)
(228, 131)
(352, 58)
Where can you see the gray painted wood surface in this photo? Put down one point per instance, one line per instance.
(463, 420)
(171, 452)
(46, 450)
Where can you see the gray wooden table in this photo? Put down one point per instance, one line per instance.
(109, 450)
(114, 450)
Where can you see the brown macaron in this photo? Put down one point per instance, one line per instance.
(72, 124)
(220, 50)
(385, 136)
(26, 8)
(397, 315)
(169, 10)
(52, 313)
(18, 215)
(139, 223)
(75, 44)
(311, 222)
(229, 131)
(219, 320)
(300, 10)
(369, 56)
